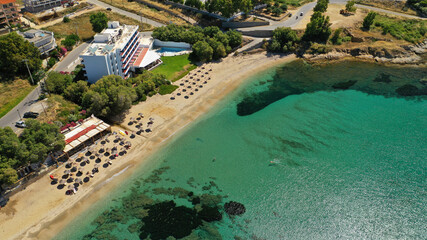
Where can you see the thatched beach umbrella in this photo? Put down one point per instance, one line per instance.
(62, 182)
(67, 172)
(80, 169)
(96, 165)
(71, 187)
(78, 180)
(140, 114)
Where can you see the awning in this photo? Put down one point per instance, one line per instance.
(149, 58)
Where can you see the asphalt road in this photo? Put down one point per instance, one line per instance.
(128, 14)
(72, 59)
(24, 106)
(291, 22)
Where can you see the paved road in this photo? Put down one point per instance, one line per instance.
(388, 12)
(24, 106)
(128, 14)
(71, 60)
(291, 22)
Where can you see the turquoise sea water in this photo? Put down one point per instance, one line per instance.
(346, 165)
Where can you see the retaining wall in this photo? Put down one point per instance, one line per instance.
(243, 24)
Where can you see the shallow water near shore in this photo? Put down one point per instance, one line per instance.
(308, 161)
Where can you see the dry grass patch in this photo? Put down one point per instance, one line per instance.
(151, 13)
(59, 109)
(392, 5)
(84, 28)
(13, 93)
(336, 19)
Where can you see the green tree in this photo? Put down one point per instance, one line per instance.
(202, 51)
(336, 37)
(283, 40)
(234, 38)
(245, 5)
(277, 11)
(350, 6)
(369, 20)
(284, 7)
(40, 139)
(51, 62)
(211, 31)
(66, 19)
(68, 43)
(318, 29)
(99, 21)
(57, 83)
(109, 96)
(321, 6)
(14, 49)
(74, 92)
(8, 175)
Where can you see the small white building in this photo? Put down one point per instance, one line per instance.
(114, 51)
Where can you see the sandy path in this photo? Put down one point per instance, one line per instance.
(41, 210)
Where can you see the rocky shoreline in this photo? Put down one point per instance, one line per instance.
(405, 54)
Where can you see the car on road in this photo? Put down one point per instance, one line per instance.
(108, 9)
(301, 14)
(31, 115)
(20, 124)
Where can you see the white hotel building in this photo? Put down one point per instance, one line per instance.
(116, 50)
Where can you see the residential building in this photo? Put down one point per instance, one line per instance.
(113, 51)
(43, 40)
(8, 13)
(40, 5)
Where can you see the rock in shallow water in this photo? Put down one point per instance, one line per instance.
(234, 208)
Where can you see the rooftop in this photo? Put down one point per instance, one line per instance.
(7, 1)
(114, 37)
(34, 35)
(87, 129)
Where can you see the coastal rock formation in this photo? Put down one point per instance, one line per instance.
(166, 219)
(234, 208)
(397, 55)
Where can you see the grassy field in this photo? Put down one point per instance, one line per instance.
(167, 89)
(84, 28)
(151, 13)
(175, 67)
(410, 30)
(13, 93)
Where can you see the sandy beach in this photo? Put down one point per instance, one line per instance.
(41, 210)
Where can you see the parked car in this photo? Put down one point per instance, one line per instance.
(108, 9)
(3, 201)
(31, 115)
(20, 124)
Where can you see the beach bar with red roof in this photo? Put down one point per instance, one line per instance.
(83, 134)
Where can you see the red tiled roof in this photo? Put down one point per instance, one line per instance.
(7, 1)
(140, 57)
(79, 134)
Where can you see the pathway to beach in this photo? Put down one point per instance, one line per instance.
(41, 210)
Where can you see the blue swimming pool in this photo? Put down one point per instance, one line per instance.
(170, 49)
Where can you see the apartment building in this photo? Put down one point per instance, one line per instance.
(43, 40)
(8, 13)
(40, 5)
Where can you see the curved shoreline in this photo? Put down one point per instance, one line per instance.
(40, 211)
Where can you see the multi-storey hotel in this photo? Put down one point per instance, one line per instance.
(116, 50)
(8, 13)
